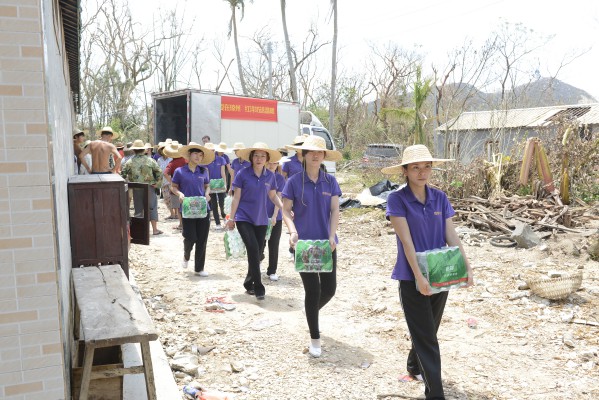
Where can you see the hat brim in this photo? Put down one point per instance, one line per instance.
(274, 155)
(329, 155)
(171, 153)
(209, 155)
(397, 169)
(115, 135)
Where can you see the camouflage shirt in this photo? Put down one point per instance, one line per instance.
(143, 169)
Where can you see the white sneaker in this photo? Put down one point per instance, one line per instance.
(273, 277)
(291, 257)
(219, 227)
(201, 273)
(184, 263)
(314, 351)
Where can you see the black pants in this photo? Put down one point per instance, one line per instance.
(423, 317)
(217, 200)
(195, 231)
(319, 289)
(273, 248)
(253, 238)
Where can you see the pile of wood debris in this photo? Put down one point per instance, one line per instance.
(497, 215)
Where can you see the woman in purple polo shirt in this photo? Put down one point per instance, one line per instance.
(216, 169)
(238, 163)
(188, 181)
(295, 164)
(421, 216)
(253, 187)
(313, 197)
(277, 224)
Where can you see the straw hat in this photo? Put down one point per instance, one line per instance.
(77, 132)
(238, 146)
(208, 154)
(148, 145)
(86, 143)
(297, 141)
(119, 145)
(316, 143)
(414, 154)
(108, 129)
(165, 143)
(222, 148)
(210, 146)
(171, 150)
(245, 153)
(138, 145)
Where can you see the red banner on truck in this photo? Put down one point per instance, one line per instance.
(248, 109)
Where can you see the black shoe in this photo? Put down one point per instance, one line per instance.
(250, 292)
(260, 297)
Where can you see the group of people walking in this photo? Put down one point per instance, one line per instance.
(270, 189)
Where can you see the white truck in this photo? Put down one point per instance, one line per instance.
(189, 114)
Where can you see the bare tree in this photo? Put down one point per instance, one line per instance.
(307, 71)
(333, 68)
(391, 69)
(237, 4)
(292, 78)
(257, 72)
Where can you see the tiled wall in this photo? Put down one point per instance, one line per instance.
(31, 344)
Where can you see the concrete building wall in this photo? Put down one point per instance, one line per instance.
(35, 132)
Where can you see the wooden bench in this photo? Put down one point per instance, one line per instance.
(109, 313)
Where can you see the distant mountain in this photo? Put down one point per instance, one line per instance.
(540, 93)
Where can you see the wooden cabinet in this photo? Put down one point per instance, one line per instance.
(98, 211)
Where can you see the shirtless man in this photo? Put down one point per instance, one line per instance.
(101, 150)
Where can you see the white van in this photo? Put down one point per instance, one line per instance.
(311, 125)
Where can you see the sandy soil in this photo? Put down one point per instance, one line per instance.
(523, 346)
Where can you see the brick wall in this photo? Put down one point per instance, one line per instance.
(31, 315)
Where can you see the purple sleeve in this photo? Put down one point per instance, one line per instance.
(335, 189)
(176, 177)
(288, 189)
(285, 167)
(238, 182)
(207, 177)
(448, 210)
(395, 206)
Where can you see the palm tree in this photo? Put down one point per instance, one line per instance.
(333, 69)
(292, 79)
(421, 91)
(235, 4)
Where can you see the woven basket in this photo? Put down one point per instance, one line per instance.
(555, 288)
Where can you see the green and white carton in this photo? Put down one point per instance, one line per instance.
(194, 207)
(313, 256)
(234, 246)
(217, 185)
(444, 268)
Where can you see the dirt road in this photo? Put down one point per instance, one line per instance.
(522, 348)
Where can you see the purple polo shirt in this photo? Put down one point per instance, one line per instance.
(214, 167)
(292, 167)
(312, 204)
(426, 221)
(270, 207)
(226, 157)
(254, 195)
(238, 166)
(192, 183)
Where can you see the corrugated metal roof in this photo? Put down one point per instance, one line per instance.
(521, 117)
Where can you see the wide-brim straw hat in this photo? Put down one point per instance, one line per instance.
(171, 150)
(208, 154)
(222, 148)
(77, 132)
(210, 146)
(238, 146)
(274, 155)
(108, 129)
(297, 141)
(165, 143)
(414, 154)
(316, 143)
(138, 145)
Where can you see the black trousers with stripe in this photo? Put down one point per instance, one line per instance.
(423, 316)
